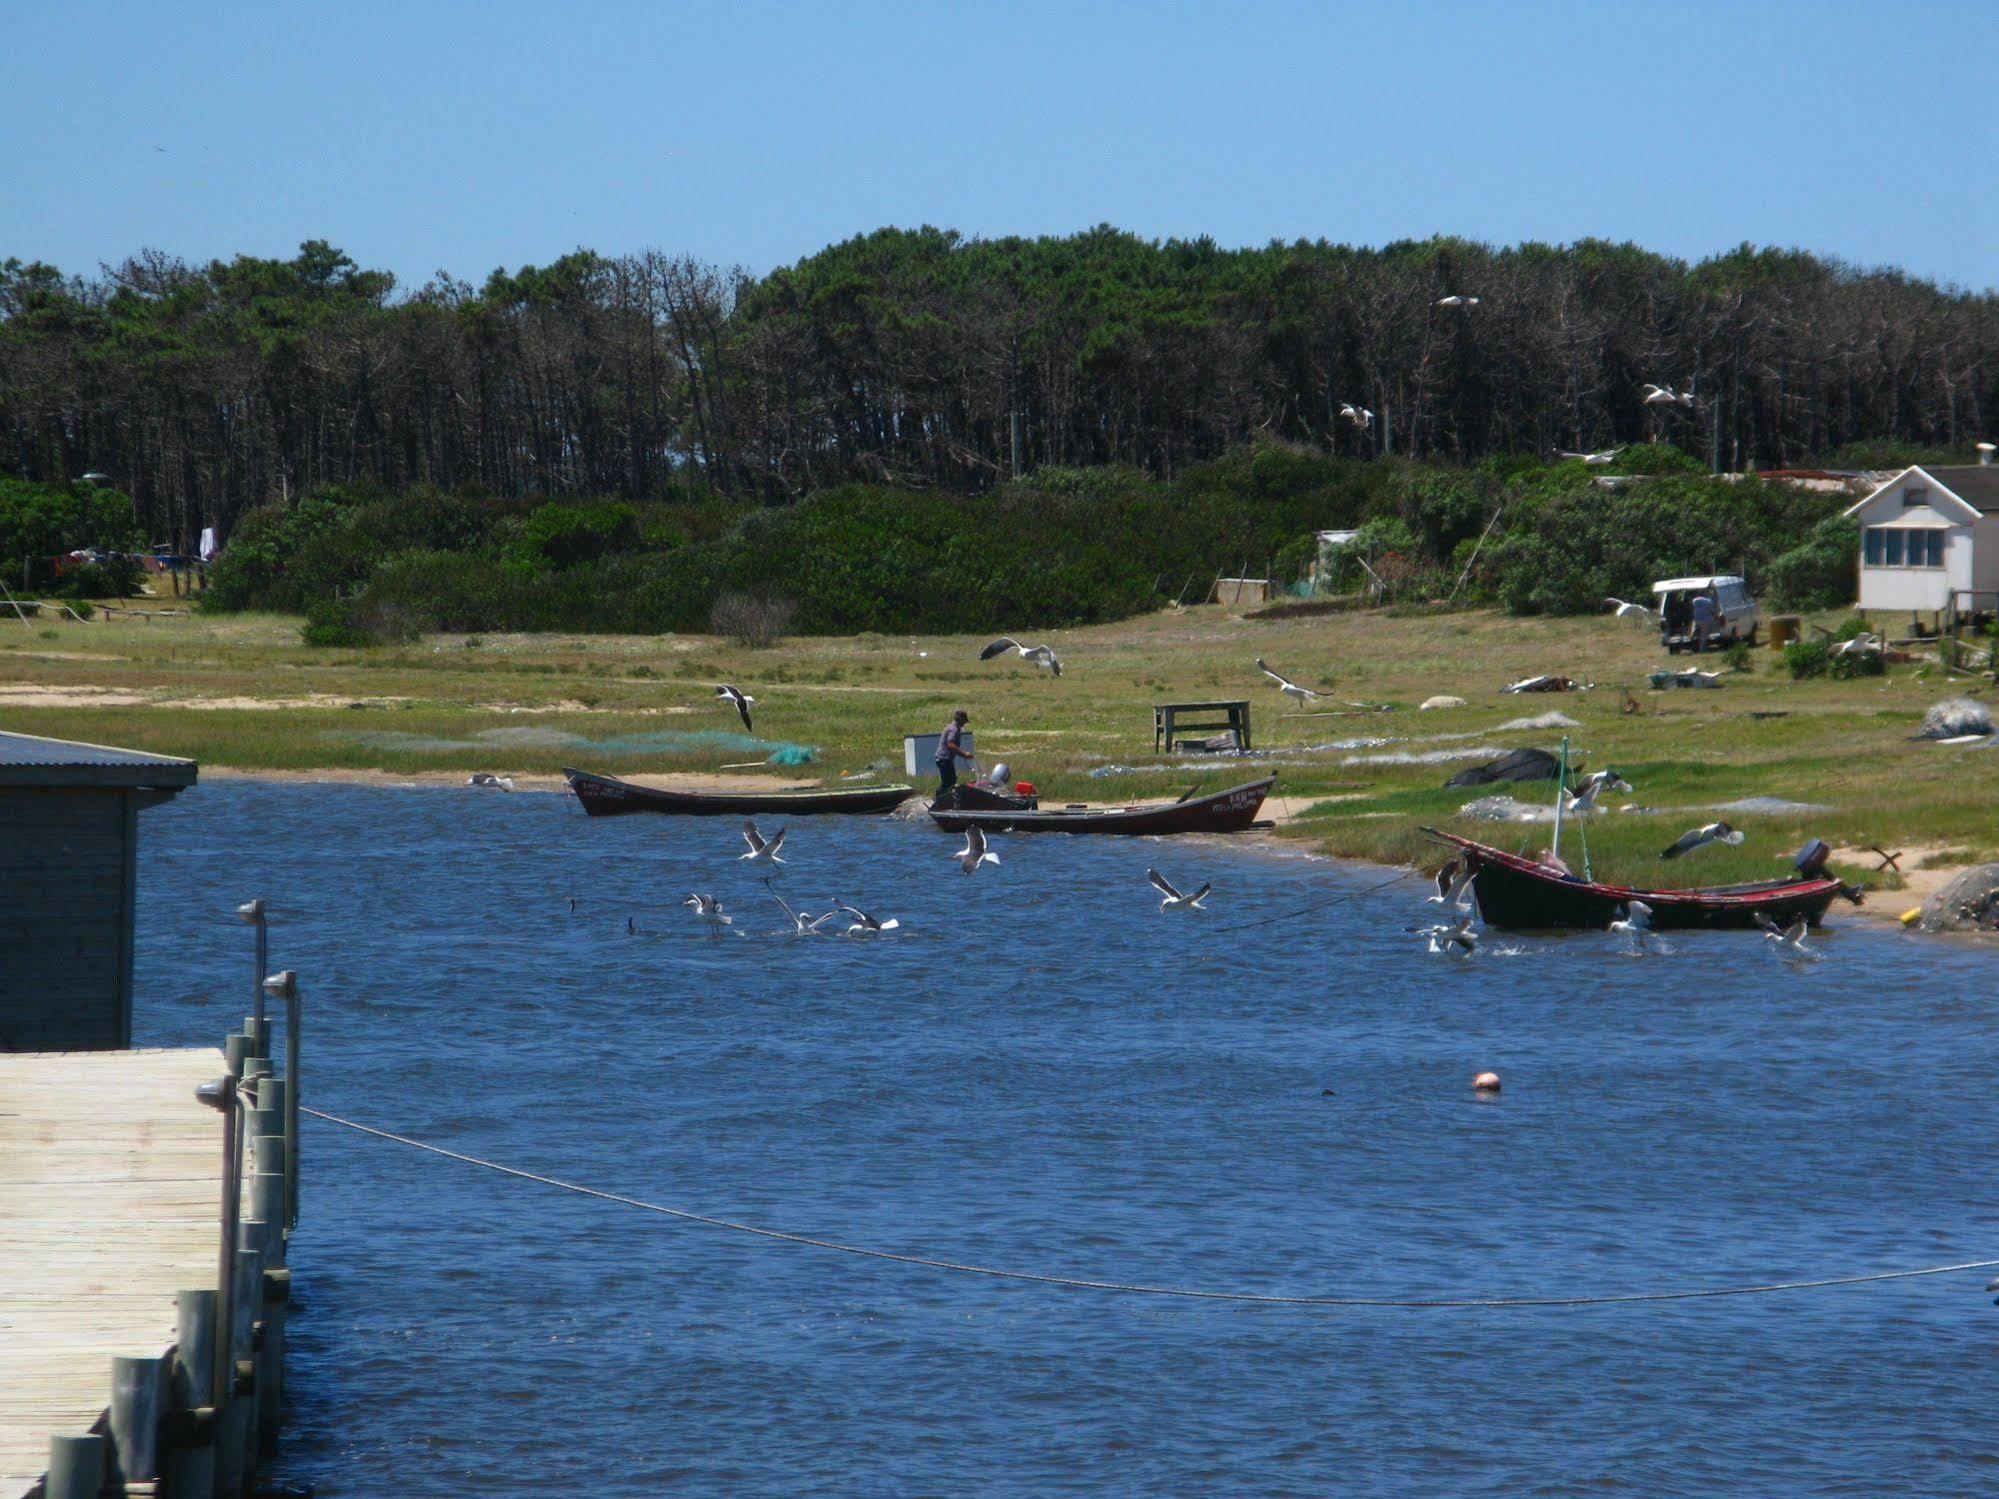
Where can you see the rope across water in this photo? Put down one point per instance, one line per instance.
(1188, 1293)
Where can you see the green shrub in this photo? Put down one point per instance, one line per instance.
(330, 622)
(1807, 658)
(1858, 664)
(557, 536)
(1820, 572)
(1739, 656)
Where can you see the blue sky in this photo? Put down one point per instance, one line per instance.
(424, 136)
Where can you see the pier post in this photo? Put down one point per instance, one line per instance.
(138, 1405)
(76, 1468)
(258, 1029)
(190, 1464)
(235, 1047)
(285, 986)
(236, 1442)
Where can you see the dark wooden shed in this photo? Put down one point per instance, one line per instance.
(69, 824)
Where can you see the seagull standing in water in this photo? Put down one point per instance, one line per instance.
(1302, 696)
(1173, 900)
(1459, 941)
(864, 924)
(1040, 655)
(975, 852)
(709, 910)
(762, 850)
(1713, 832)
(741, 701)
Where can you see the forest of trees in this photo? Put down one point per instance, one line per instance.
(922, 360)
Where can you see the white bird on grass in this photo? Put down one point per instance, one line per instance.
(1861, 645)
(1302, 696)
(1624, 609)
(1457, 300)
(1634, 921)
(709, 910)
(1040, 655)
(1593, 459)
(801, 924)
(1453, 885)
(762, 850)
(741, 700)
(975, 852)
(863, 924)
(1360, 416)
(1713, 832)
(1171, 899)
(488, 779)
(1788, 940)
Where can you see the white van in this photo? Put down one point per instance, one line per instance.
(1736, 614)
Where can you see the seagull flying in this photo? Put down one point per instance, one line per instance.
(762, 850)
(1360, 416)
(863, 923)
(1453, 885)
(975, 852)
(1590, 787)
(801, 924)
(709, 910)
(1171, 899)
(1594, 459)
(742, 701)
(1660, 395)
(1299, 695)
(487, 778)
(1713, 832)
(1040, 655)
(1456, 300)
(1622, 609)
(1789, 940)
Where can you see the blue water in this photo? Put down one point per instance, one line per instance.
(1041, 1072)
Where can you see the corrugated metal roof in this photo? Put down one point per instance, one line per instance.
(30, 760)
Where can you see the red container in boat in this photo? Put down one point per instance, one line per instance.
(1023, 788)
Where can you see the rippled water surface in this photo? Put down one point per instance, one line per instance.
(1042, 1073)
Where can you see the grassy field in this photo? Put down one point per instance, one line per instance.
(242, 692)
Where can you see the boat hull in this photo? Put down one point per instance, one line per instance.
(1229, 811)
(1521, 895)
(607, 796)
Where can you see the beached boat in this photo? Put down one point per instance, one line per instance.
(1228, 811)
(1523, 894)
(607, 796)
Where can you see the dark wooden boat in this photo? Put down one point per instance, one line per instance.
(1228, 811)
(607, 796)
(1522, 894)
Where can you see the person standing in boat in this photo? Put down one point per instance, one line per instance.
(950, 750)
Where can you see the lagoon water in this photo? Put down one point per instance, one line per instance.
(1042, 1073)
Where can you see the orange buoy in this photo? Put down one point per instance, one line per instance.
(1486, 1082)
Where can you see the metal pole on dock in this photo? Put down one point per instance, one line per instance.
(252, 911)
(190, 1464)
(285, 986)
(139, 1390)
(221, 1094)
(76, 1468)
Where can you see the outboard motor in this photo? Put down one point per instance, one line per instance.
(1810, 860)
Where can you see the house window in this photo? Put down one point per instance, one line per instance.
(1898, 546)
(1913, 498)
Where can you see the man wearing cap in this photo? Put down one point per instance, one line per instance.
(950, 750)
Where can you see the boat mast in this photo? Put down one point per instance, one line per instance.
(1561, 785)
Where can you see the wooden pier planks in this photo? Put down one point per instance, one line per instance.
(110, 1185)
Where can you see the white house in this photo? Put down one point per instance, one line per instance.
(1927, 533)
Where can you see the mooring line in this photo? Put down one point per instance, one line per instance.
(1242, 926)
(1187, 1293)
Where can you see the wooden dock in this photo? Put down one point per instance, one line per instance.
(110, 1176)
